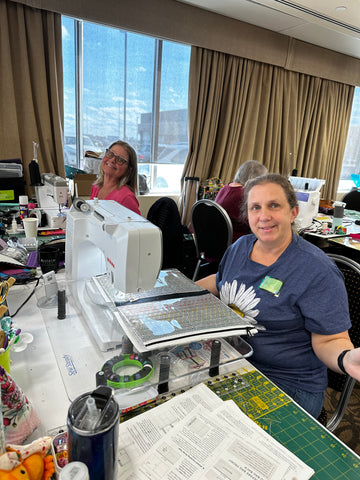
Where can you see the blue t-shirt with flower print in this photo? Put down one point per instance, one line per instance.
(302, 292)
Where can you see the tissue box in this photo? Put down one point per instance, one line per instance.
(84, 182)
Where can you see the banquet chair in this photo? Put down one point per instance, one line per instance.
(213, 233)
(344, 383)
(352, 200)
(164, 213)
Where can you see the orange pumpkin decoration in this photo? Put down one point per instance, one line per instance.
(27, 462)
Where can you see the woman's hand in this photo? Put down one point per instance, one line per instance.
(351, 362)
(328, 348)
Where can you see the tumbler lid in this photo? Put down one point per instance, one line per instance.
(337, 203)
(95, 411)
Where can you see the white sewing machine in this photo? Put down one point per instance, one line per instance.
(308, 194)
(51, 197)
(109, 251)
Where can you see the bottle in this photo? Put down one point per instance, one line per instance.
(338, 215)
(93, 424)
(14, 227)
(24, 206)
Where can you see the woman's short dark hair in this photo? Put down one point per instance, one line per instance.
(130, 177)
(271, 178)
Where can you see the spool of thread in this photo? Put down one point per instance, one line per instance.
(81, 205)
(61, 304)
(127, 347)
(215, 358)
(34, 171)
(164, 374)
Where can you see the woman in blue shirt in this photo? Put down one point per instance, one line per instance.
(281, 281)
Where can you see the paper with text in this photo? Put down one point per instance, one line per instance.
(198, 436)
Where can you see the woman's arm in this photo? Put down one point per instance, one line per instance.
(328, 348)
(209, 283)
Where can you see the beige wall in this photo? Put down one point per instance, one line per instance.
(173, 20)
(145, 201)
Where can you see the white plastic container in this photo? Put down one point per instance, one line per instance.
(74, 471)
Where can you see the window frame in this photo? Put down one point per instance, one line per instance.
(152, 163)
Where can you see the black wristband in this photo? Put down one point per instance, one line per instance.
(341, 359)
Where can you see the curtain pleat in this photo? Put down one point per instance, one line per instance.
(31, 87)
(240, 109)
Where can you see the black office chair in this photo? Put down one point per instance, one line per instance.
(164, 213)
(213, 233)
(352, 200)
(344, 383)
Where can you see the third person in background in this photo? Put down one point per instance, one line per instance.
(231, 196)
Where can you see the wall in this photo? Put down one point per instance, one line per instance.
(172, 20)
(145, 201)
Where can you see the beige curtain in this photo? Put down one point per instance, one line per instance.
(241, 109)
(31, 87)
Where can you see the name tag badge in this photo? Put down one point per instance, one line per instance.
(271, 285)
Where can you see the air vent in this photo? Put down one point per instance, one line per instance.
(312, 13)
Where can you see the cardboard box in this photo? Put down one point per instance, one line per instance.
(84, 182)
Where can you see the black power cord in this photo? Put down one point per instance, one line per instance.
(27, 299)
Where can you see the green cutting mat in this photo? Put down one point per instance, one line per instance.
(274, 411)
(252, 392)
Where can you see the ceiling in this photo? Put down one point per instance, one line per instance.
(333, 24)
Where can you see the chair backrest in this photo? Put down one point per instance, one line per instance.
(212, 228)
(352, 200)
(164, 213)
(343, 383)
(351, 271)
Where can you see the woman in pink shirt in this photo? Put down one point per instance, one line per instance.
(117, 178)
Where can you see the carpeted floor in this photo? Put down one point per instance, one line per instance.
(348, 430)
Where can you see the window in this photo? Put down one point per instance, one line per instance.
(351, 162)
(121, 85)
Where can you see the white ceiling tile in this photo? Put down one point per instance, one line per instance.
(314, 22)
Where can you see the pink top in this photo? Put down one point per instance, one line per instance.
(124, 195)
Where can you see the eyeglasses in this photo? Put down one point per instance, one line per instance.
(118, 158)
